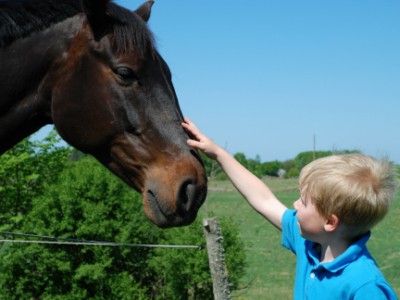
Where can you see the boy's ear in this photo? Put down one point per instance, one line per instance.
(331, 223)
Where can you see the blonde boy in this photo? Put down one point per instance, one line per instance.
(342, 198)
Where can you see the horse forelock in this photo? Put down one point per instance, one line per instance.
(130, 31)
(21, 18)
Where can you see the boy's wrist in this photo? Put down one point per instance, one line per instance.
(220, 153)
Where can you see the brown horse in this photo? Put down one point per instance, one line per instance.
(90, 67)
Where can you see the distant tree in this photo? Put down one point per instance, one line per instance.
(253, 165)
(291, 168)
(304, 158)
(270, 168)
(293, 172)
(294, 166)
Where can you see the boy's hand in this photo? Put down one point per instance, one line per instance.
(200, 141)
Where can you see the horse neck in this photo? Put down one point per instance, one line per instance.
(26, 80)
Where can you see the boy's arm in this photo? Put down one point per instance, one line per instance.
(252, 188)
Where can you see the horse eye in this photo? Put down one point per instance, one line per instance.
(126, 73)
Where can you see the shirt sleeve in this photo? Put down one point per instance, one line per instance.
(375, 290)
(290, 230)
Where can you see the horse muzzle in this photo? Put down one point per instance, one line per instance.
(174, 193)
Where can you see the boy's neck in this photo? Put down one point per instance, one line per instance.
(334, 247)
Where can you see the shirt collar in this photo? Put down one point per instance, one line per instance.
(351, 254)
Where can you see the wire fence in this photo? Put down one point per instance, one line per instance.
(50, 240)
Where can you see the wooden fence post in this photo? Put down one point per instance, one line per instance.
(216, 259)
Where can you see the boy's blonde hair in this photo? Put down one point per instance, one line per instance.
(357, 188)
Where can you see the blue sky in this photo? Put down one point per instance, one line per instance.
(264, 77)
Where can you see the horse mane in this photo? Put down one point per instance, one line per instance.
(21, 18)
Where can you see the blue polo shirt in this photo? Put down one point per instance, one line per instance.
(352, 275)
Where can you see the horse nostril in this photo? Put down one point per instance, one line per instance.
(186, 196)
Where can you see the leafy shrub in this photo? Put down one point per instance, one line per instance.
(89, 203)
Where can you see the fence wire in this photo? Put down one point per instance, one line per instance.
(49, 240)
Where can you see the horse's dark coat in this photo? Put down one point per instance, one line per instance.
(90, 68)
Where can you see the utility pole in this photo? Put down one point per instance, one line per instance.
(314, 146)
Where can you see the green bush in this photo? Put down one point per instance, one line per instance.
(89, 203)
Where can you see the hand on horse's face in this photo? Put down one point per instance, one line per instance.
(200, 141)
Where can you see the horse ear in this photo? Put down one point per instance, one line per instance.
(95, 9)
(96, 13)
(144, 10)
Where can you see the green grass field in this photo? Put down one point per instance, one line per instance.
(271, 268)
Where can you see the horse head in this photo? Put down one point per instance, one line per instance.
(114, 99)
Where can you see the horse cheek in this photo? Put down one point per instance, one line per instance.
(79, 115)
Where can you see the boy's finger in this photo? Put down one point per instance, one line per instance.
(188, 121)
(192, 129)
(194, 144)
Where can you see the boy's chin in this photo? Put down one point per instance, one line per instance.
(304, 235)
(301, 232)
